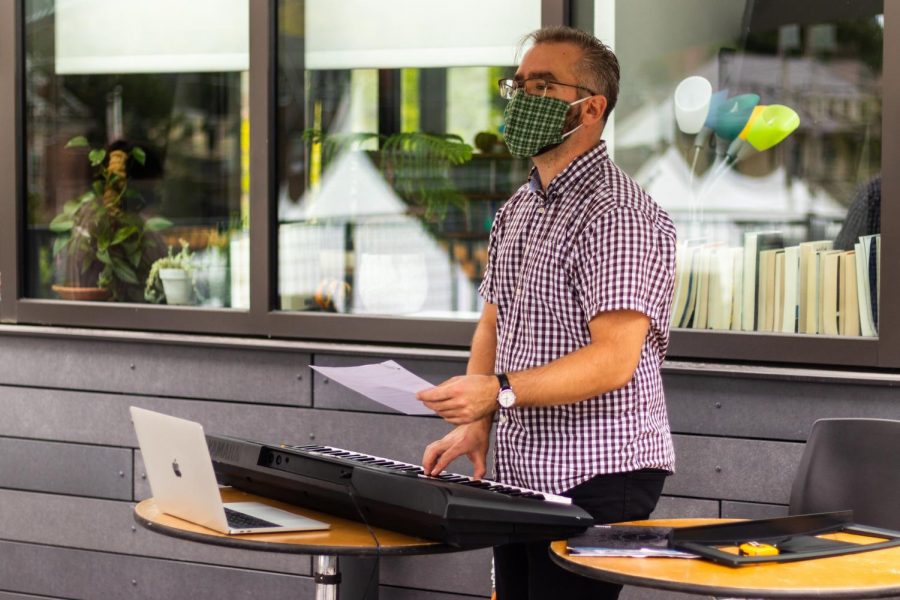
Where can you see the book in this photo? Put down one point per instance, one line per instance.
(828, 291)
(754, 243)
(721, 288)
(701, 308)
(808, 300)
(866, 326)
(791, 291)
(737, 295)
(765, 292)
(684, 299)
(848, 303)
(871, 245)
(625, 540)
(778, 310)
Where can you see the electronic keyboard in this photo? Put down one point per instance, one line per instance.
(451, 508)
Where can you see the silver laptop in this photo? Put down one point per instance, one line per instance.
(183, 483)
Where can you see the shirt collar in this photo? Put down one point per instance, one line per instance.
(573, 171)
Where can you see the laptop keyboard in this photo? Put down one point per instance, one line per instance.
(239, 520)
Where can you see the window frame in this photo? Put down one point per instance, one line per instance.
(263, 319)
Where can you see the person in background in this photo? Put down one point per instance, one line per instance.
(863, 216)
(575, 325)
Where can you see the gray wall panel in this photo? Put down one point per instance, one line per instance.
(735, 469)
(670, 507)
(771, 409)
(329, 394)
(212, 373)
(87, 575)
(630, 592)
(97, 418)
(109, 526)
(392, 593)
(65, 468)
(750, 510)
(460, 572)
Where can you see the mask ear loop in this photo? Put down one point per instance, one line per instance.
(579, 101)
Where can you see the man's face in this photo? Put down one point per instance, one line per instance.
(555, 62)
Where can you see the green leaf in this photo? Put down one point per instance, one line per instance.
(134, 256)
(137, 153)
(124, 271)
(70, 207)
(59, 244)
(96, 156)
(157, 224)
(97, 188)
(77, 142)
(123, 234)
(62, 223)
(103, 256)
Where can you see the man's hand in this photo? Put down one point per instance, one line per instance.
(471, 440)
(464, 399)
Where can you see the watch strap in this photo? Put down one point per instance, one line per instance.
(504, 381)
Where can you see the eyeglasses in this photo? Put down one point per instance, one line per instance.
(534, 86)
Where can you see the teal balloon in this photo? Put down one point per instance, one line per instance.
(733, 114)
(715, 102)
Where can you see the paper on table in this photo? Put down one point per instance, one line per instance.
(387, 383)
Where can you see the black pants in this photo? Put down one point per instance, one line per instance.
(525, 571)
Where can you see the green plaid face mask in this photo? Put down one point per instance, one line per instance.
(535, 122)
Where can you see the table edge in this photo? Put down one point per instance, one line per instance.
(313, 550)
(711, 590)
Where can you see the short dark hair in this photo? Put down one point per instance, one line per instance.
(598, 67)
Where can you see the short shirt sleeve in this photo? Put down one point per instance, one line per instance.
(488, 289)
(617, 264)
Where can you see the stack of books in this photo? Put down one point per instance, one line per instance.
(764, 286)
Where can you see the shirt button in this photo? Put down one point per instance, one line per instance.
(541, 210)
(502, 417)
(509, 335)
(518, 291)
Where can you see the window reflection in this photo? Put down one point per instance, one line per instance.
(390, 176)
(137, 146)
(760, 187)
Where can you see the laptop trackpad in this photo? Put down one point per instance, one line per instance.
(276, 515)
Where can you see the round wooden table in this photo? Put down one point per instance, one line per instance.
(345, 538)
(874, 574)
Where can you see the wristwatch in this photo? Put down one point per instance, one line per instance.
(506, 397)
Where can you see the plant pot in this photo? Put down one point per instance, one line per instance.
(177, 286)
(84, 294)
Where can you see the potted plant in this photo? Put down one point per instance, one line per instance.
(104, 247)
(171, 278)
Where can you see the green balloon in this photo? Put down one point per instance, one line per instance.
(733, 114)
(775, 123)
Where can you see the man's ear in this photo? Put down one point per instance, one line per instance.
(595, 108)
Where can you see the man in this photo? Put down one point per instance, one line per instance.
(575, 325)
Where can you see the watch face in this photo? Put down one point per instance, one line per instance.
(506, 398)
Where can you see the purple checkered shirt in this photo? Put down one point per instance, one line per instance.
(595, 242)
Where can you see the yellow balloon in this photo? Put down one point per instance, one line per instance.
(775, 122)
(757, 110)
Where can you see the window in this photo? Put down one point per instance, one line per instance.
(391, 163)
(137, 151)
(757, 125)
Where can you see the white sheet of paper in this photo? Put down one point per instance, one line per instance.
(387, 383)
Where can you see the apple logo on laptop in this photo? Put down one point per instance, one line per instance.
(176, 468)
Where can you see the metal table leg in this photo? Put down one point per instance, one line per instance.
(361, 583)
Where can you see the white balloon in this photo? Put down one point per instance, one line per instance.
(692, 98)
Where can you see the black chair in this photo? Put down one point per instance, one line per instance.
(851, 464)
